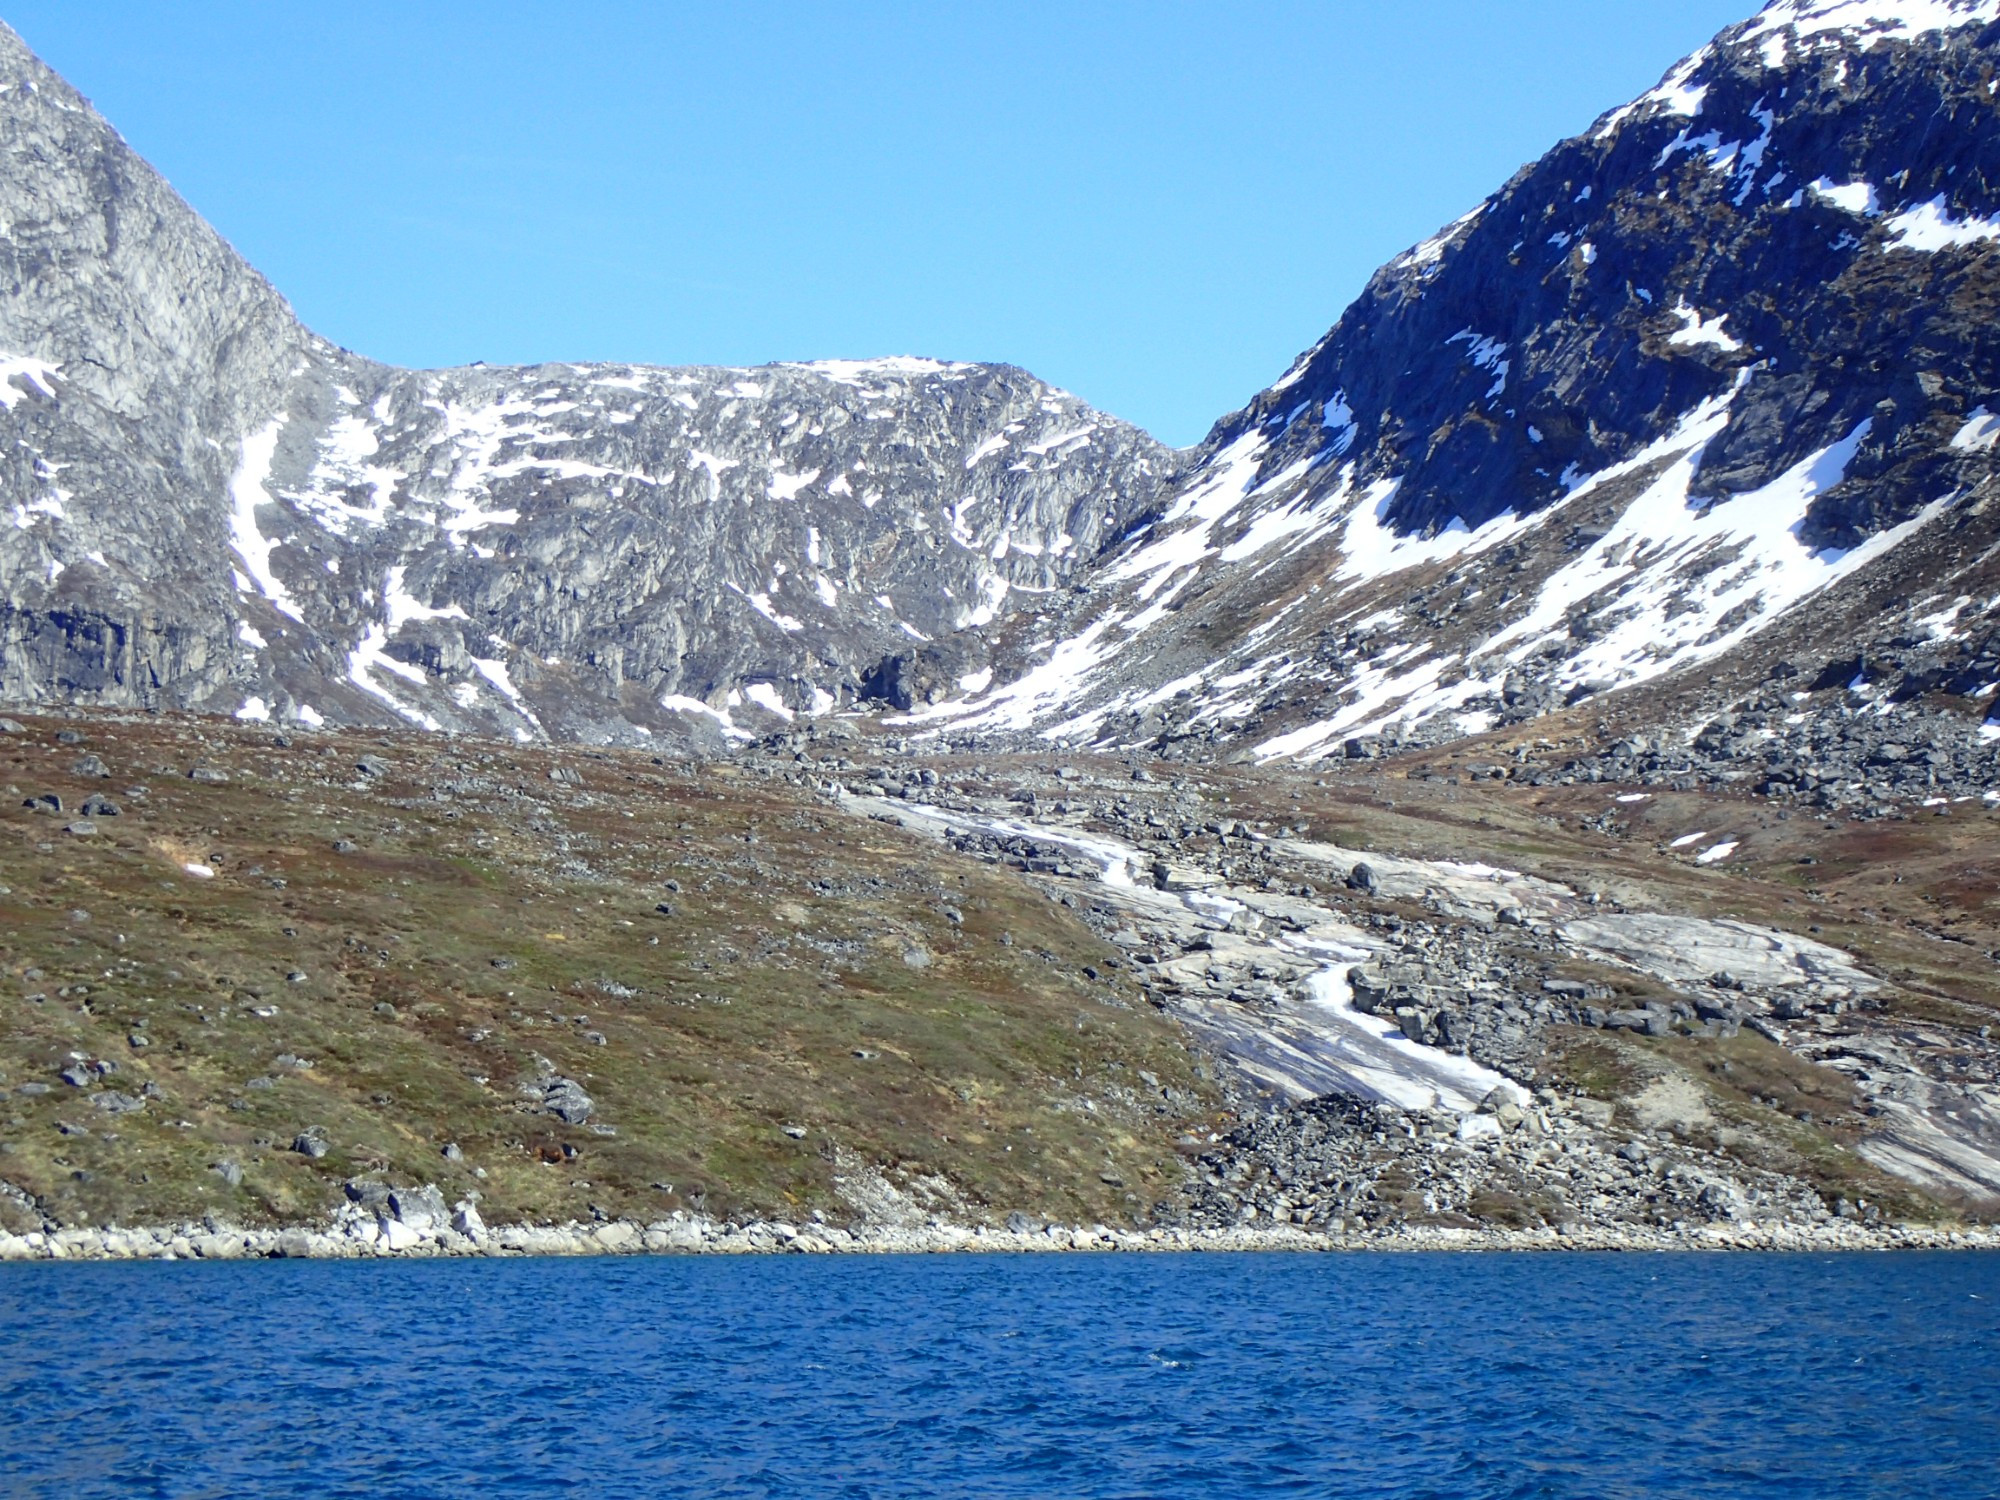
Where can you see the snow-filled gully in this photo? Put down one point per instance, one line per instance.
(1307, 1042)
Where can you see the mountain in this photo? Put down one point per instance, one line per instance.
(1526, 773)
(1707, 398)
(214, 508)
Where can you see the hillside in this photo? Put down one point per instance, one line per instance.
(252, 978)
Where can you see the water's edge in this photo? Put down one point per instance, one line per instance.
(687, 1235)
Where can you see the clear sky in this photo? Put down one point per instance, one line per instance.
(1155, 204)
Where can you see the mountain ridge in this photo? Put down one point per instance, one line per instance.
(1697, 334)
(1734, 328)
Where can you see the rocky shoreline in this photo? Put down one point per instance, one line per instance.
(358, 1239)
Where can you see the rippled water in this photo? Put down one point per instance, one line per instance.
(1220, 1375)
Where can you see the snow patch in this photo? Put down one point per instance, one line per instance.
(1929, 227)
(1061, 440)
(1980, 432)
(35, 372)
(495, 671)
(1865, 20)
(1487, 354)
(1851, 197)
(763, 605)
(680, 704)
(1371, 548)
(987, 447)
(715, 464)
(1672, 584)
(785, 486)
(1432, 250)
(1696, 332)
(765, 696)
(860, 371)
(247, 491)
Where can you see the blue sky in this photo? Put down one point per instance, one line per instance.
(1155, 205)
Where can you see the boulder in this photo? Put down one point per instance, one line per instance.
(418, 1208)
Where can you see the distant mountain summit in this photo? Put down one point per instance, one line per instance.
(1710, 390)
(1706, 398)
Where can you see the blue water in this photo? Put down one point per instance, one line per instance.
(1222, 1375)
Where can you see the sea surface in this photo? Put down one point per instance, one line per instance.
(1062, 1375)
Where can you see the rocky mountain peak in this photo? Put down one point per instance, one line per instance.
(1719, 364)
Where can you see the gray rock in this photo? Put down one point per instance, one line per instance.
(1597, 1112)
(419, 1208)
(566, 1100)
(702, 532)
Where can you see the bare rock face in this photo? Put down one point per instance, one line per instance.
(212, 507)
(1708, 387)
(595, 551)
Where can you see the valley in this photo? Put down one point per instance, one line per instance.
(1530, 775)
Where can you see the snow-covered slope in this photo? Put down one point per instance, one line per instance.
(1708, 386)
